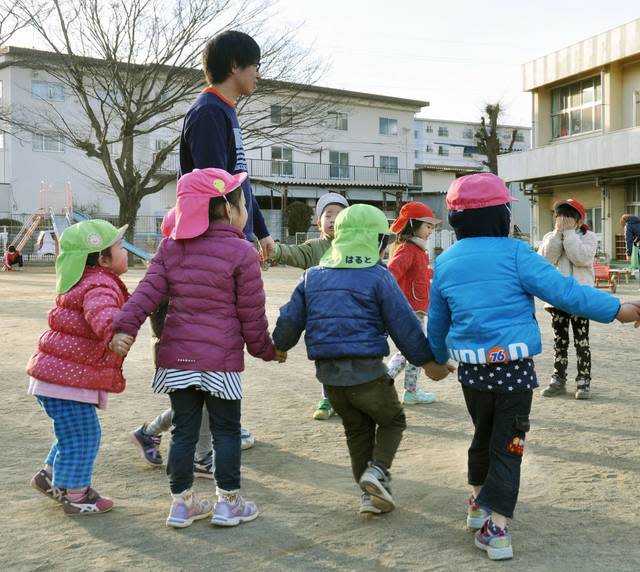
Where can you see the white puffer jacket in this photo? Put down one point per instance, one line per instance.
(571, 252)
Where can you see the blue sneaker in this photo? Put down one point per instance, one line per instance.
(495, 541)
(476, 515)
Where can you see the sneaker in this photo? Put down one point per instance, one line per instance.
(41, 481)
(187, 507)
(556, 387)
(583, 392)
(495, 541)
(148, 446)
(476, 515)
(366, 506)
(90, 503)
(232, 509)
(247, 440)
(378, 484)
(324, 410)
(204, 468)
(420, 396)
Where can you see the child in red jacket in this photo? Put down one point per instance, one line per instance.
(409, 263)
(74, 369)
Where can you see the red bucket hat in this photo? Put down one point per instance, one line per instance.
(195, 189)
(478, 191)
(572, 203)
(413, 211)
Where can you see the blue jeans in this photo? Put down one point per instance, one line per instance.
(501, 421)
(224, 420)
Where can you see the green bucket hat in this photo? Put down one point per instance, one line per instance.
(357, 238)
(76, 243)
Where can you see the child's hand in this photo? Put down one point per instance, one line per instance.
(629, 312)
(281, 356)
(121, 344)
(436, 372)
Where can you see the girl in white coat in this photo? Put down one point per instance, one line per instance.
(571, 246)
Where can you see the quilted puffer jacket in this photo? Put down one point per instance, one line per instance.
(217, 302)
(74, 350)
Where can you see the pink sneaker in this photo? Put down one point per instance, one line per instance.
(90, 503)
(232, 510)
(187, 507)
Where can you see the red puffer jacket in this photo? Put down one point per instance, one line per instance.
(217, 302)
(410, 266)
(74, 351)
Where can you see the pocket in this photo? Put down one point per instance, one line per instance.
(419, 290)
(515, 445)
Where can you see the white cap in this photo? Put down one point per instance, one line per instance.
(329, 199)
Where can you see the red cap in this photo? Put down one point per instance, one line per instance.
(413, 211)
(572, 203)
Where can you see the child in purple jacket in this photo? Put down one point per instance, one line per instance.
(212, 276)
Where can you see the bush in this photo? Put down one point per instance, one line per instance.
(297, 217)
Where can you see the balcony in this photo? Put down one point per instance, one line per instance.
(584, 154)
(307, 173)
(171, 164)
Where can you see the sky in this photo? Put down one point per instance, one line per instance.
(458, 54)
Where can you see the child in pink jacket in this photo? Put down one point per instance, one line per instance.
(74, 367)
(217, 305)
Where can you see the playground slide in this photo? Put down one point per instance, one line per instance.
(59, 222)
(77, 217)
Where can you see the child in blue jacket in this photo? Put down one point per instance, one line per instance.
(482, 315)
(347, 305)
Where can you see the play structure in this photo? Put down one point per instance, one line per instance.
(57, 206)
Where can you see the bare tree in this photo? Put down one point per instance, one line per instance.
(488, 139)
(10, 20)
(133, 67)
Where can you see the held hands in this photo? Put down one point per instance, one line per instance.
(267, 248)
(436, 371)
(281, 356)
(629, 312)
(121, 344)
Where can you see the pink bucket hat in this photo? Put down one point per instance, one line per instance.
(168, 222)
(195, 189)
(477, 191)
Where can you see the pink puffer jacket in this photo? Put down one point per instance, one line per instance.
(216, 302)
(74, 351)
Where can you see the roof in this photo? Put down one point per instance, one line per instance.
(412, 103)
(290, 181)
(474, 123)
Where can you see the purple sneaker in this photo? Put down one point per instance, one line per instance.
(187, 507)
(147, 445)
(232, 510)
(495, 541)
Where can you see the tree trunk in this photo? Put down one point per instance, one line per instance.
(129, 205)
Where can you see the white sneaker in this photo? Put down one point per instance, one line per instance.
(366, 506)
(378, 484)
(247, 440)
(420, 396)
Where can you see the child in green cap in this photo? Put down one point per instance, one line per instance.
(75, 366)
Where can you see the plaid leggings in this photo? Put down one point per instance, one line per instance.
(74, 451)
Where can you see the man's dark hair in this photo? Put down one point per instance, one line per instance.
(231, 48)
(216, 204)
(92, 258)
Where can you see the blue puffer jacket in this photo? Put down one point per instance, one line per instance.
(631, 233)
(482, 308)
(347, 313)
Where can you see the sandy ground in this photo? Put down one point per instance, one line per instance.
(578, 509)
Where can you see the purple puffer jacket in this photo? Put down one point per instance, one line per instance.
(216, 302)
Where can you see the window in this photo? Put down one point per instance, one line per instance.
(593, 217)
(416, 134)
(428, 128)
(468, 133)
(519, 137)
(443, 151)
(443, 132)
(281, 115)
(339, 165)
(389, 165)
(576, 108)
(428, 149)
(339, 121)
(161, 144)
(388, 126)
(632, 196)
(47, 90)
(282, 161)
(47, 143)
(415, 153)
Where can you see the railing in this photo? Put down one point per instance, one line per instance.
(332, 172)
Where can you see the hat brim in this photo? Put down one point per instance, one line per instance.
(429, 219)
(121, 232)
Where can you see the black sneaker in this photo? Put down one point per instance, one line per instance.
(147, 445)
(203, 469)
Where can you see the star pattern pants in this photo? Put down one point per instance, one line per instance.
(560, 321)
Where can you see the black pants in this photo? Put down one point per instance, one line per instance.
(224, 419)
(501, 421)
(560, 322)
(373, 421)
